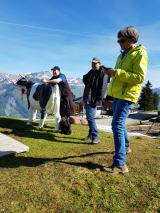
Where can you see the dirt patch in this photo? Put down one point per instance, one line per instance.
(150, 128)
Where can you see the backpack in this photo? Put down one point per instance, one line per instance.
(65, 126)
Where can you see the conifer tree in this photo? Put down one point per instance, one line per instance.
(146, 100)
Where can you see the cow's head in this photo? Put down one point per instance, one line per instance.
(22, 81)
(24, 84)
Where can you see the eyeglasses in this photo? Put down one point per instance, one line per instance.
(121, 40)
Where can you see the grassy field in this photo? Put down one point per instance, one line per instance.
(63, 173)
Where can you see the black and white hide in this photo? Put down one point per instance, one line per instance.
(42, 98)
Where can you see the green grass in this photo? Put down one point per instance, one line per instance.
(63, 173)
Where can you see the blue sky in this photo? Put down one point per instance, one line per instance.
(35, 35)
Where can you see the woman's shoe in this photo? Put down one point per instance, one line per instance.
(116, 169)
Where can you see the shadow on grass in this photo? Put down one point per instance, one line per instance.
(14, 124)
(87, 165)
(20, 129)
(17, 161)
(51, 138)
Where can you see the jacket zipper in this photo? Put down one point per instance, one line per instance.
(119, 66)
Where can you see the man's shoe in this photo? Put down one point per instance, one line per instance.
(116, 169)
(95, 141)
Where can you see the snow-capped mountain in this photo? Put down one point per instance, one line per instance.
(75, 82)
(10, 96)
(157, 90)
(7, 78)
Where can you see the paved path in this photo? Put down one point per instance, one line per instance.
(105, 125)
(108, 119)
(11, 146)
(107, 128)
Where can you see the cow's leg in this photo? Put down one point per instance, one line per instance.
(30, 117)
(57, 112)
(34, 115)
(43, 118)
(57, 119)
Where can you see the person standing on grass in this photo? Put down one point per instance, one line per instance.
(125, 88)
(95, 82)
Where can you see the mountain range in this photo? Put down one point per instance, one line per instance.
(11, 102)
(157, 90)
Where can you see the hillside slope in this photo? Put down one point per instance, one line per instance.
(64, 174)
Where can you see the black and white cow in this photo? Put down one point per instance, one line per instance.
(43, 98)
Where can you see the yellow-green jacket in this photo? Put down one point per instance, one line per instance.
(130, 73)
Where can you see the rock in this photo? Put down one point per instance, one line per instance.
(84, 121)
(78, 120)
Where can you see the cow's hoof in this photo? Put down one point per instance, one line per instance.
(40, 128)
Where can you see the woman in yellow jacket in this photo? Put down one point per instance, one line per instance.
(125, 88)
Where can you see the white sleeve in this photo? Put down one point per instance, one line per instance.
(105, 86)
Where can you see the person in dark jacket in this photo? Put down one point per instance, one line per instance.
(95, 82)
(66, 106)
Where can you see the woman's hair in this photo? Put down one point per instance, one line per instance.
(129, 32)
